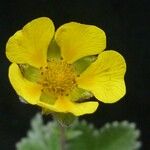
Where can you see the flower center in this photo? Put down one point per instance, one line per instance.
(58, 77)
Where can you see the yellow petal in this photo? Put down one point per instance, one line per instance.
(105, 77)
(64, 105)
(78, 40)
(30, 44)
(27, 90)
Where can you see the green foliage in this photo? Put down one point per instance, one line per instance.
(80, 136)
(41, 137)
(114, 136)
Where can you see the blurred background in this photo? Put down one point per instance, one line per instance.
(126, 26)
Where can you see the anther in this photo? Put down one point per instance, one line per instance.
(58, 77)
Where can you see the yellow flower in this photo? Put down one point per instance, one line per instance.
(60, 70)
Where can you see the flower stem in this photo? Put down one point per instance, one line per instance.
(62, 137)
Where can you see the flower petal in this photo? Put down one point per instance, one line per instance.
(78, 40)
(64, 105)
(27, 90)
(30, 44)
(105, 77)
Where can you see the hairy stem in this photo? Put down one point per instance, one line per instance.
(62, 137)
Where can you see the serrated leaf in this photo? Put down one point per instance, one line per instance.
(115, 136)
(118, 136)
(80, 136)
(41, 137)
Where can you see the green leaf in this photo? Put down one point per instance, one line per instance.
(119, 136)
(41, 137)
(114, 136)
(80, 136)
